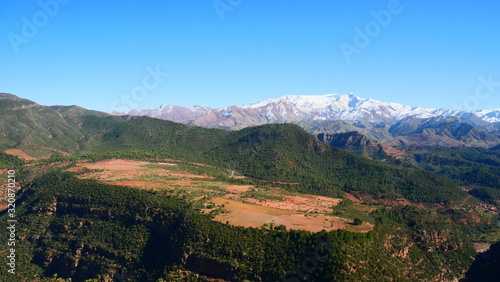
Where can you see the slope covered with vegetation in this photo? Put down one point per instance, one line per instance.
(83, 229)
(476, 169)
(279, 152)
(36, 129)
(287, 153)
(282, 153)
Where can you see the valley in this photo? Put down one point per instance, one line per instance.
(240, 205)
(163, 201)
(250, 141)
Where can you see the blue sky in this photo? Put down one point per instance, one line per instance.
(107, 55)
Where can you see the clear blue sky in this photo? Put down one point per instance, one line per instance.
(93, 53)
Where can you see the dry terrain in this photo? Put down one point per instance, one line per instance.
(19, 153)
(244, 205)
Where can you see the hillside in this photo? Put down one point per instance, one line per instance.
(287, 153)
(354, 142)
(35, 129)
(278, 152)
(148, 134)
(281, 153)
(474, 169)
(76, 111)
(177, 212)
(82, 229)
(443, 132)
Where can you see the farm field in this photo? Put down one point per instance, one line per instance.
(242, 205)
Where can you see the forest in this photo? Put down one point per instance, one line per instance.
(83, 229)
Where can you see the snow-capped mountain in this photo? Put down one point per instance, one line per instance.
(389, 123)
(302, 108)
(339, 107)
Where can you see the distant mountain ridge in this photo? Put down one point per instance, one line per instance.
(353, 142)
(295, 108)
(78, 228)
(272, 152)
(389, 123)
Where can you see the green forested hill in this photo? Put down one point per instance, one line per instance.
(153, 135)
(82, 229)
(76, 111)
(35, 129)
(475, 168)
(277, 152)
(287, 153)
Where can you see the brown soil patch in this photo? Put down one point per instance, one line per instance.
(238, 189)
(253, 215)
(115, 165)
(137, 174)
(304, 203)
(481, 247)
(20, 154)
(64, 154)
(353, 197)
(393, 152)
(295, 211)
(23, 155)
(145, 184)
(190, 175)
(76, 169)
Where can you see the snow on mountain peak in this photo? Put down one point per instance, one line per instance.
(351, 107)
(346, 107)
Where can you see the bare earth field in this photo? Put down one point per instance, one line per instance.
(243, 205)
(19, 153)
(41, 152)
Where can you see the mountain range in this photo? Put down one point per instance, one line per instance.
(271, 151)
(388, 123)
(427, 203)
(293, 108)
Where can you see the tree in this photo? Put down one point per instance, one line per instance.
(357, 221)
